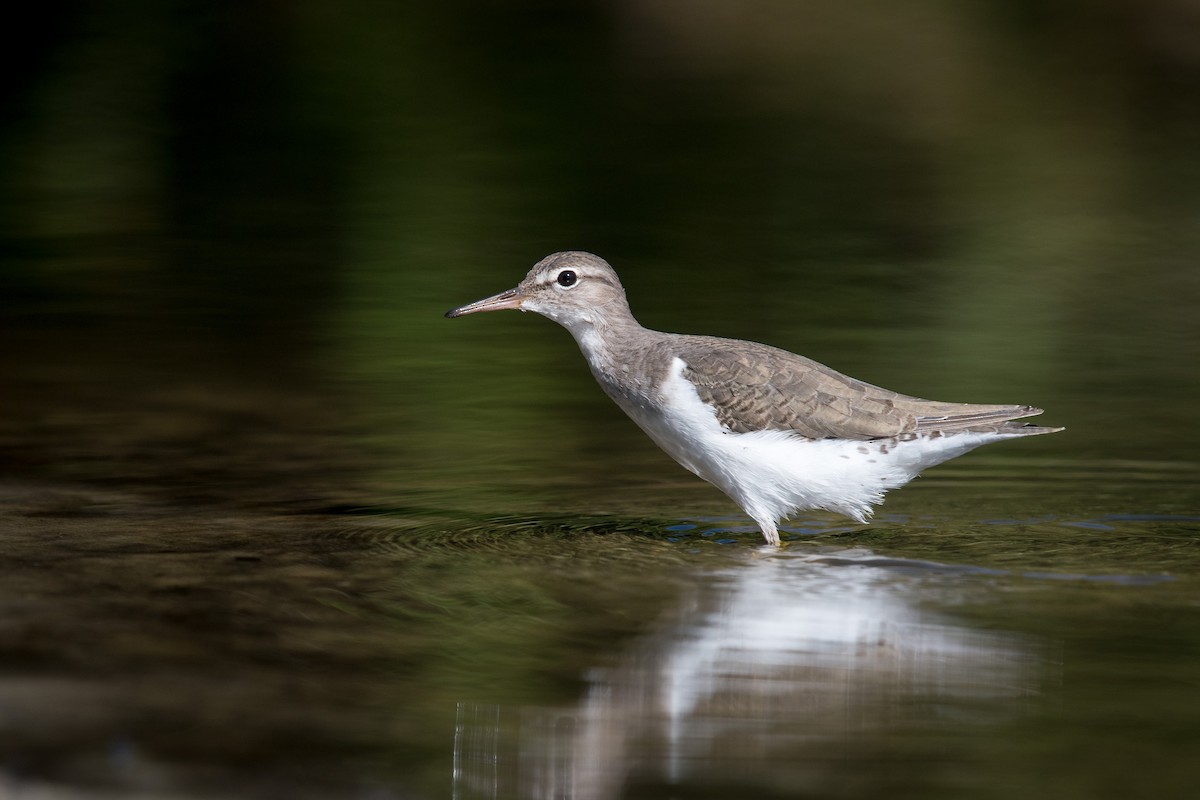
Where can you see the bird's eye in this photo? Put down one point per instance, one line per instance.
(567, 278)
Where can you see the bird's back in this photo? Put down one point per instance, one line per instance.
(756, 387)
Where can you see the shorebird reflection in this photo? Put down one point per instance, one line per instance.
(782, 670)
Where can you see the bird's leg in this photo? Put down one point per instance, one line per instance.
(769, 531)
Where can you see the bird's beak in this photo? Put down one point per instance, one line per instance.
(497, 302)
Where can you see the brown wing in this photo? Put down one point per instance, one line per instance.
(756, 387)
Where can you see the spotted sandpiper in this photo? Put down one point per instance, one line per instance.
(777, 432)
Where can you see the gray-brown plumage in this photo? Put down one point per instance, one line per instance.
(709, 402)
(756, 387)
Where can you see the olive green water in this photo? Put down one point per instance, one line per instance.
(270, 527)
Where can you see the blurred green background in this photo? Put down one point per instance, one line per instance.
(229, 231)
(989, 202)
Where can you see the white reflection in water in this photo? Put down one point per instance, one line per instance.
(772, 674)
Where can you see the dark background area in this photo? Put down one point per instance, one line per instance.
(252, 483)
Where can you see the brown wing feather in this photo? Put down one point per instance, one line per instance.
(757, 387)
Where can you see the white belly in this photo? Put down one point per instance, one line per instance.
(772, 474)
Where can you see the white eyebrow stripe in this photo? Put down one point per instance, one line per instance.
(553, 276)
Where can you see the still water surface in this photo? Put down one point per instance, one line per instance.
(271, 527)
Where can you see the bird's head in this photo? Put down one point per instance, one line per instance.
(575, 289)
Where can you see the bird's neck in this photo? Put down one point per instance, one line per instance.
(607, 336)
